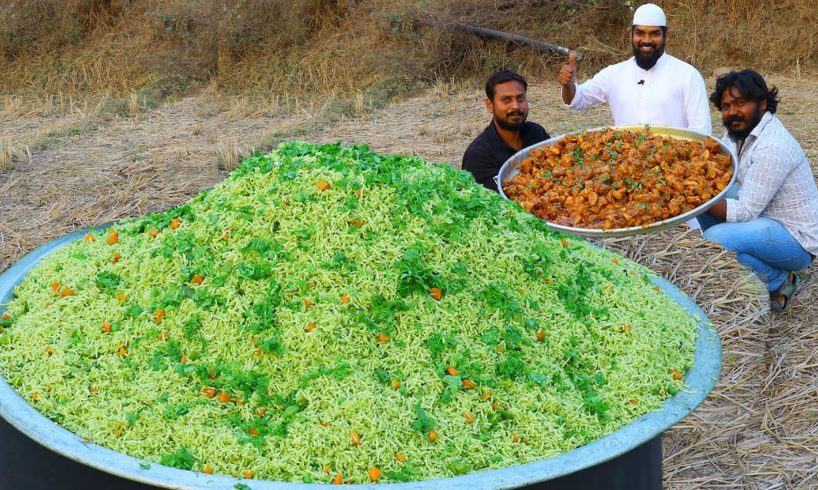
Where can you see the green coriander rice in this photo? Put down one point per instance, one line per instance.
(326, 310)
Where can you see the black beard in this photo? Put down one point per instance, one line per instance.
(646, 61)
(509, 126)
(749, 127)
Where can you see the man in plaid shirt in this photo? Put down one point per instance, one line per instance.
(771, 218)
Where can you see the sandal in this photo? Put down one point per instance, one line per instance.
(786, 291)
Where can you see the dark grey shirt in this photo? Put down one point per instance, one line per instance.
(488, 152)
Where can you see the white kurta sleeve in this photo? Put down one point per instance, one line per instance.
(696, 105)
(592, 92)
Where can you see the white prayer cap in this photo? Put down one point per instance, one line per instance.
(649, 14)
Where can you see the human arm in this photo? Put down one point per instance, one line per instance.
(696, 105)
(719, 210)
(567, 77)
(589, 93)
(770, 166)
(479, 163)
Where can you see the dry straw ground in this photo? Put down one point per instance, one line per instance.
(68, 166)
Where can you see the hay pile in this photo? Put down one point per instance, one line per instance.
(758, 428)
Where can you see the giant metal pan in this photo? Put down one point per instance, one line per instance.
(698, 382)
(512, 168)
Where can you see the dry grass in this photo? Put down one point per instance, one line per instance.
(369, 49)
(229, 154)
(756, 430)
(9, 152)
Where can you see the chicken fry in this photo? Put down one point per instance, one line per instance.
(618, 179)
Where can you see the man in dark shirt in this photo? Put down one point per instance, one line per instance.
(508, 132)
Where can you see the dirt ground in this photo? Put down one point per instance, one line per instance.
(81, 167)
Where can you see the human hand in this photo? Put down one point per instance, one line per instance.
(568, 72)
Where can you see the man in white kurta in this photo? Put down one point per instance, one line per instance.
(651, 88)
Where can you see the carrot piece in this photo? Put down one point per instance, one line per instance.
(356, 438)
(153, 232)
(469, 418)
(432, 436)
(451, 371)
(345, 299)
(89, 238)
(175, 222)
(158, 315)
(248, 474)
(210, 392)
(106, 327)
(677, 375)
(486, 395)
(632, 401)
(66, 291)
(436, 294)
(400, 457)
(382, 337)
(35, 395)
(6, 315)
(322, 185)
(495, 406)
(55, 286)
(356, 223)
(395, 384)
(374, 473)
(117, 433)
(469, 384)
(224, 397)
(540, 335)
(310, 327)
(122, 351)
(208, 469)
(122, 297)
(93, 389)
(115, 258)
(564, 242)
(260, 411)
(197, 279)
(183, 360)
(615, 260)
(49, 350)
(308, 303)
(253, 432)
(163, 335)
(113, 237)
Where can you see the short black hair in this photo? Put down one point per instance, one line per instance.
(503, 76)
(750, 84)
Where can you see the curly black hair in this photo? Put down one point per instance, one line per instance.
(750, 84)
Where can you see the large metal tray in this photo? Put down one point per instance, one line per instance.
(512, 167)
(698, 382)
